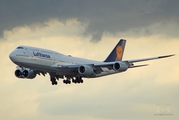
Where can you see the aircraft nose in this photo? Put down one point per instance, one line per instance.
(12, 55)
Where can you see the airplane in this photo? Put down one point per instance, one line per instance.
(32, 61)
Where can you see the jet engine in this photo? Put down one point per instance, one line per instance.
(27, 73)
(119, 66)
(18, 73)
(85, 70)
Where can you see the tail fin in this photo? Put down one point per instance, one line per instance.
(117, 53)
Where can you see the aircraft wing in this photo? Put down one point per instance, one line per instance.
(131, 65)
(99, 67)
(109, 65)
(94, 65)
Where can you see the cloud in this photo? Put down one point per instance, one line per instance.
(101, 16)
(129, 95)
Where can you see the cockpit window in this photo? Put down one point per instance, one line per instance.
(20, 48)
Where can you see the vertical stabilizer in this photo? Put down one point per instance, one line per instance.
(117, 52)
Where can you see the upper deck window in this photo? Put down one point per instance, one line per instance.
(20, 48)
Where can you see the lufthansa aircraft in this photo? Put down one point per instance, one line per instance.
(33, 61)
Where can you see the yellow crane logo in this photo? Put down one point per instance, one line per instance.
(119, 52)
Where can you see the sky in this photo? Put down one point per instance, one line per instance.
(90, 30)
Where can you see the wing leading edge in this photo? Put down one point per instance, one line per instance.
(131, 65)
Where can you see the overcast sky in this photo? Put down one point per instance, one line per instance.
(90, 30)
(114, 16)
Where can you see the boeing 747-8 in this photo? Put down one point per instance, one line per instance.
(33, 61)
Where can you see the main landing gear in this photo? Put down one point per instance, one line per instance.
(76, 80)
(53, 80)
(68, 80)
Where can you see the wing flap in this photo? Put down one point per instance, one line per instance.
(134, 66)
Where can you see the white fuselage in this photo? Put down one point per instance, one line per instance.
(44, 60)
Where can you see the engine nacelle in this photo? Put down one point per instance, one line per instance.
(85, 70)
(119, 66)
(18, 73)
(29, 74)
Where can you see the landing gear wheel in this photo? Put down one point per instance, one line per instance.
(66, 81)
(78, 80)
(73, 80)
(53, 80)
(54, 83)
